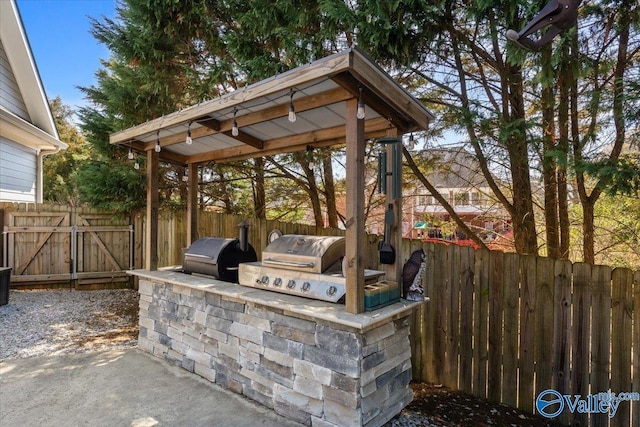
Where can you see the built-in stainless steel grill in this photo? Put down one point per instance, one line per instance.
(308, 266)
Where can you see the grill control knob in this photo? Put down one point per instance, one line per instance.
(306, 286)
(265, 280)
(277, 282)
(332, 291)
(291, 284)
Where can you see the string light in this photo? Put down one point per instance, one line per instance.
(157, 148)
(310, 154)
(360, 114)
(189, 141)
(234, 129)
(130, 154)
(412, 144)
(292, 111)
(136, 165)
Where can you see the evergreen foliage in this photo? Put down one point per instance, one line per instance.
(537, 119)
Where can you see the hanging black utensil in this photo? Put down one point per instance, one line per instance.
(386, 250)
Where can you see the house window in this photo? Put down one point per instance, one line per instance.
(462, 198)
(475, 198)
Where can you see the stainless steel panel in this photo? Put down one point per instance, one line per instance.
(304, 253)
(324, 287)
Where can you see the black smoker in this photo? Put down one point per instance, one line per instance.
(219, 257)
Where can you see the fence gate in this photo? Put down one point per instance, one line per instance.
(74, 248)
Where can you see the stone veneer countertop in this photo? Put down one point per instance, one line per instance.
(290, 304)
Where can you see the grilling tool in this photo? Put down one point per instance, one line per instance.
(386, 250)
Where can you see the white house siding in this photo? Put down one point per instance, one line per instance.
(10, 96)
(17, 172)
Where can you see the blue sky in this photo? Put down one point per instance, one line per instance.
(66, 54)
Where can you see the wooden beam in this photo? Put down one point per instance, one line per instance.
(151, 248)
(347, 81)
(165, 156)
(209, 123)
(192, 204)
(390, 91)
(249, 140)
(321, 138)
(355, 235)
(306, 103)
(212, 126)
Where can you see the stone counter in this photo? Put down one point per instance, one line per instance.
(309, 360)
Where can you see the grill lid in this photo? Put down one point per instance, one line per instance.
(217, 257)
(207, 249)
(314, 254)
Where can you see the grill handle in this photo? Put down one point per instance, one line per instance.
(288, 263)
(191, 255)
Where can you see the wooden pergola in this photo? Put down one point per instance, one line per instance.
(253, 122)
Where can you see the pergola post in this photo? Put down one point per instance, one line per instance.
(151, 247)
(192, 204)
(355, 235)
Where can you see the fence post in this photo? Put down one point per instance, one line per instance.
(74, 256)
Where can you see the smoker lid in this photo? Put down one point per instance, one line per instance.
(208, 248)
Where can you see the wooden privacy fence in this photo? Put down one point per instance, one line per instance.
(172, 234)
(506, 327)
(46, 245)
(499, 325)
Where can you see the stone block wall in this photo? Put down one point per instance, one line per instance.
(315, 372)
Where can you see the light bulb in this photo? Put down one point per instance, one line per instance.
(189, 141)
(130, 154)
(360, 113)
(185, 178)
(411, 144)
(234, 129)
(292, 113)
(157, 147)
(136, 165)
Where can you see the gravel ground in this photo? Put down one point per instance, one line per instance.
(43, 323)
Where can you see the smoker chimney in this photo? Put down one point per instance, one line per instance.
(244, 235)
